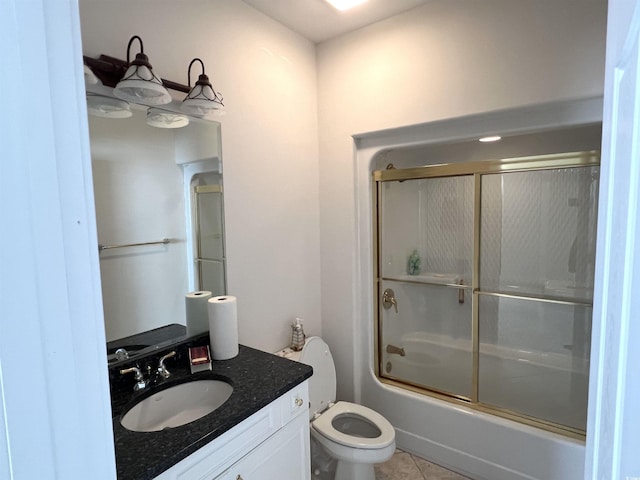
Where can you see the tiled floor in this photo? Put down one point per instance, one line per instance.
(404, 466)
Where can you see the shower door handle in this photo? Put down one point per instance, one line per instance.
(388, 299)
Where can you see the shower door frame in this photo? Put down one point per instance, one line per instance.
(199, 259)
(476, 169)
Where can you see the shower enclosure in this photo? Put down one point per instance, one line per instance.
(484, 282)
(208, 224)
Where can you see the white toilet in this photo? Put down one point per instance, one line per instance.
(355, 436)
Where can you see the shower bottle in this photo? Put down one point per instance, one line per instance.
(413, 264)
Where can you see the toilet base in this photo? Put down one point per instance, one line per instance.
(354, 471)
(351, 463)
(323, 465)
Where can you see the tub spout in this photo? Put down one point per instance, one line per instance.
(395, 350)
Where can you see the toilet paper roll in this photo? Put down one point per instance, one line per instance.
(223, 327)
(197, 313)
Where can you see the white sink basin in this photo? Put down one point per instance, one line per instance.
(177, 405)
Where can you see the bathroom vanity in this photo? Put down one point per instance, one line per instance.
(272, 443)
(260, 432)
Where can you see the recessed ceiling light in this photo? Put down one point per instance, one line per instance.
(493, 138)
(345, 4)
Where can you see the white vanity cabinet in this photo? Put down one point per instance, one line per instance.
(281, 456)
(272, 444)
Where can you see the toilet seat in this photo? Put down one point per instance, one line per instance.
(324, 426)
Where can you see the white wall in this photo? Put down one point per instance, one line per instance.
(267, 75)
(441, 60)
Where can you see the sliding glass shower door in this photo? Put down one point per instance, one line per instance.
(484, 281)
(537, 252)
(426, 260)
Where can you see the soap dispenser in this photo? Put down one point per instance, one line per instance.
(297, 335)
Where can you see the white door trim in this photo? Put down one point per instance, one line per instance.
(613, 422)
(55, 413)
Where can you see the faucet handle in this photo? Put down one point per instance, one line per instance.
(162, 370)
(141, 383)
(121, 354)
(389, 299)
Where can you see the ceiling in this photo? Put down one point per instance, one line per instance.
(318, 21)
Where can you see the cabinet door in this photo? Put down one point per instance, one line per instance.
(283, 456)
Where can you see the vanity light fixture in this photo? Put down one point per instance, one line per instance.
(202, 100)
(157, 117)
(139, 84)
(343, 5)
(107, 107)
(492, 138)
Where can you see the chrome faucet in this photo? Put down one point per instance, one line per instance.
(162, 370)
(138, 375)
(141, 383)
(396, 350)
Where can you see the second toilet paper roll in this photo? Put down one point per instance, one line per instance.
(196, 311)
(223, 327)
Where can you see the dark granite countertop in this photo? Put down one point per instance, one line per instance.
(257, 377)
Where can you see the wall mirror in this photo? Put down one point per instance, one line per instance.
(160, 218)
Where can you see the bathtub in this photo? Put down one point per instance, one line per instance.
(438, 361)
(474, 443)
(551, 387)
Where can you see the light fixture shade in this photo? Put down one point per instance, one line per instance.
(89, 77)
(159, 118)
(202, 100)
(107, 107)
(139, 84)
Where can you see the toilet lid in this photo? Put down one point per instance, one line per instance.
(322, 385)
(355, 426)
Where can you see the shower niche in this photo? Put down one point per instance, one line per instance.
(491, 267)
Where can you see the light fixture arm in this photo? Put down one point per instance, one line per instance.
(189, 70)
(129, 47)
(110, 71)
